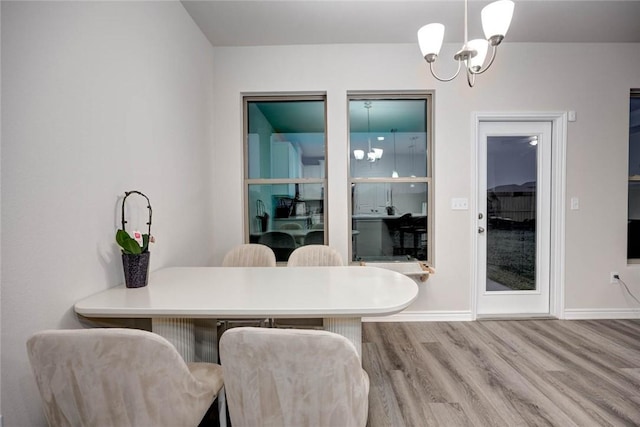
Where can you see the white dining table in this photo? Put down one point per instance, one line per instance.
(176, 297)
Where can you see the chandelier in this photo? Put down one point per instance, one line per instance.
(373, 154)
(496, 18)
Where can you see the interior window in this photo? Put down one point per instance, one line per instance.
(390, 168)
(285, 171)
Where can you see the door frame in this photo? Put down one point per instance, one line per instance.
(558, 196)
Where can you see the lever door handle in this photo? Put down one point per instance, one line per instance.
(480, 229)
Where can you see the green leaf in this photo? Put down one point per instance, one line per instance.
(131, 247)
(145, 242)
(121, 237)
(128, 245)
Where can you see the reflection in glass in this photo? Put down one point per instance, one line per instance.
(511, 213)
(388, 138)
(634, 136)
(284, 222)
(285, 139)
(633, 225)
(389, 221)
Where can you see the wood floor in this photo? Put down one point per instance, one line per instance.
(503, 373)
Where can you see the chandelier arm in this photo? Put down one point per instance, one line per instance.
(494, 49)
(440, 78)
(471, 77)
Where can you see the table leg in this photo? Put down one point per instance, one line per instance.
(179, 332)
(348, 327)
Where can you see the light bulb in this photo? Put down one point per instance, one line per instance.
(480, 46)
(430, 39)
(496, 18)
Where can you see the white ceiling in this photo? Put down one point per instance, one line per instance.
(284, 22)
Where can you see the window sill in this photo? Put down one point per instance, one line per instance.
(414, 269)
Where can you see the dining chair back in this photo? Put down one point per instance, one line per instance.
(417, 228)
(310, 256)
(315, 255)
(281, 243)
(290, 377)
(119, 377)
(250, 255)
(314, 237)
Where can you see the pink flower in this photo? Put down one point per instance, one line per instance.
(137, 236)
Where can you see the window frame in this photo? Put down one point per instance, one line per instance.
(633, 93)
(247, 98)
(429, 97)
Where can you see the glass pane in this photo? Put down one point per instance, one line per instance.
(633, 230)
(634, 136)
(389, 221)
(285, 139)
(633, 226)
(511, 213)
(282, 221)
(388, 138)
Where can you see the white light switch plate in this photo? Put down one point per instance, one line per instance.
(459, 204)
(575, 203)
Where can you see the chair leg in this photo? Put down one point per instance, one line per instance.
(222, 407)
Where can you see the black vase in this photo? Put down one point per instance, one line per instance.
(136, 269)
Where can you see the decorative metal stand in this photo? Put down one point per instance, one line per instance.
(136, 266)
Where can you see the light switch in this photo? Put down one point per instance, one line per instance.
(459, 204)
(575, 203)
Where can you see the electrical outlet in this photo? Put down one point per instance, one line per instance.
(614, 276)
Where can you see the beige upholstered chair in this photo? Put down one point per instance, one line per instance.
(250, 255)
(119, 377)
(314, 255)
(310, 256)
(292, 378)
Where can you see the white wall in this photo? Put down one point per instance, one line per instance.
(525, 77)
(1, 423)
(98, 98)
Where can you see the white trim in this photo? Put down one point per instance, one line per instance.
(601, 313)
(558, 192)
(424, 316)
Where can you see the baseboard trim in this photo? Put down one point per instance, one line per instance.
(610, 313)
(424, 316)
(523, 316)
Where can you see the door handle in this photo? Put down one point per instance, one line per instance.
(480, 229)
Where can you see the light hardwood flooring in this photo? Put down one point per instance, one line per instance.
(503, 373)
